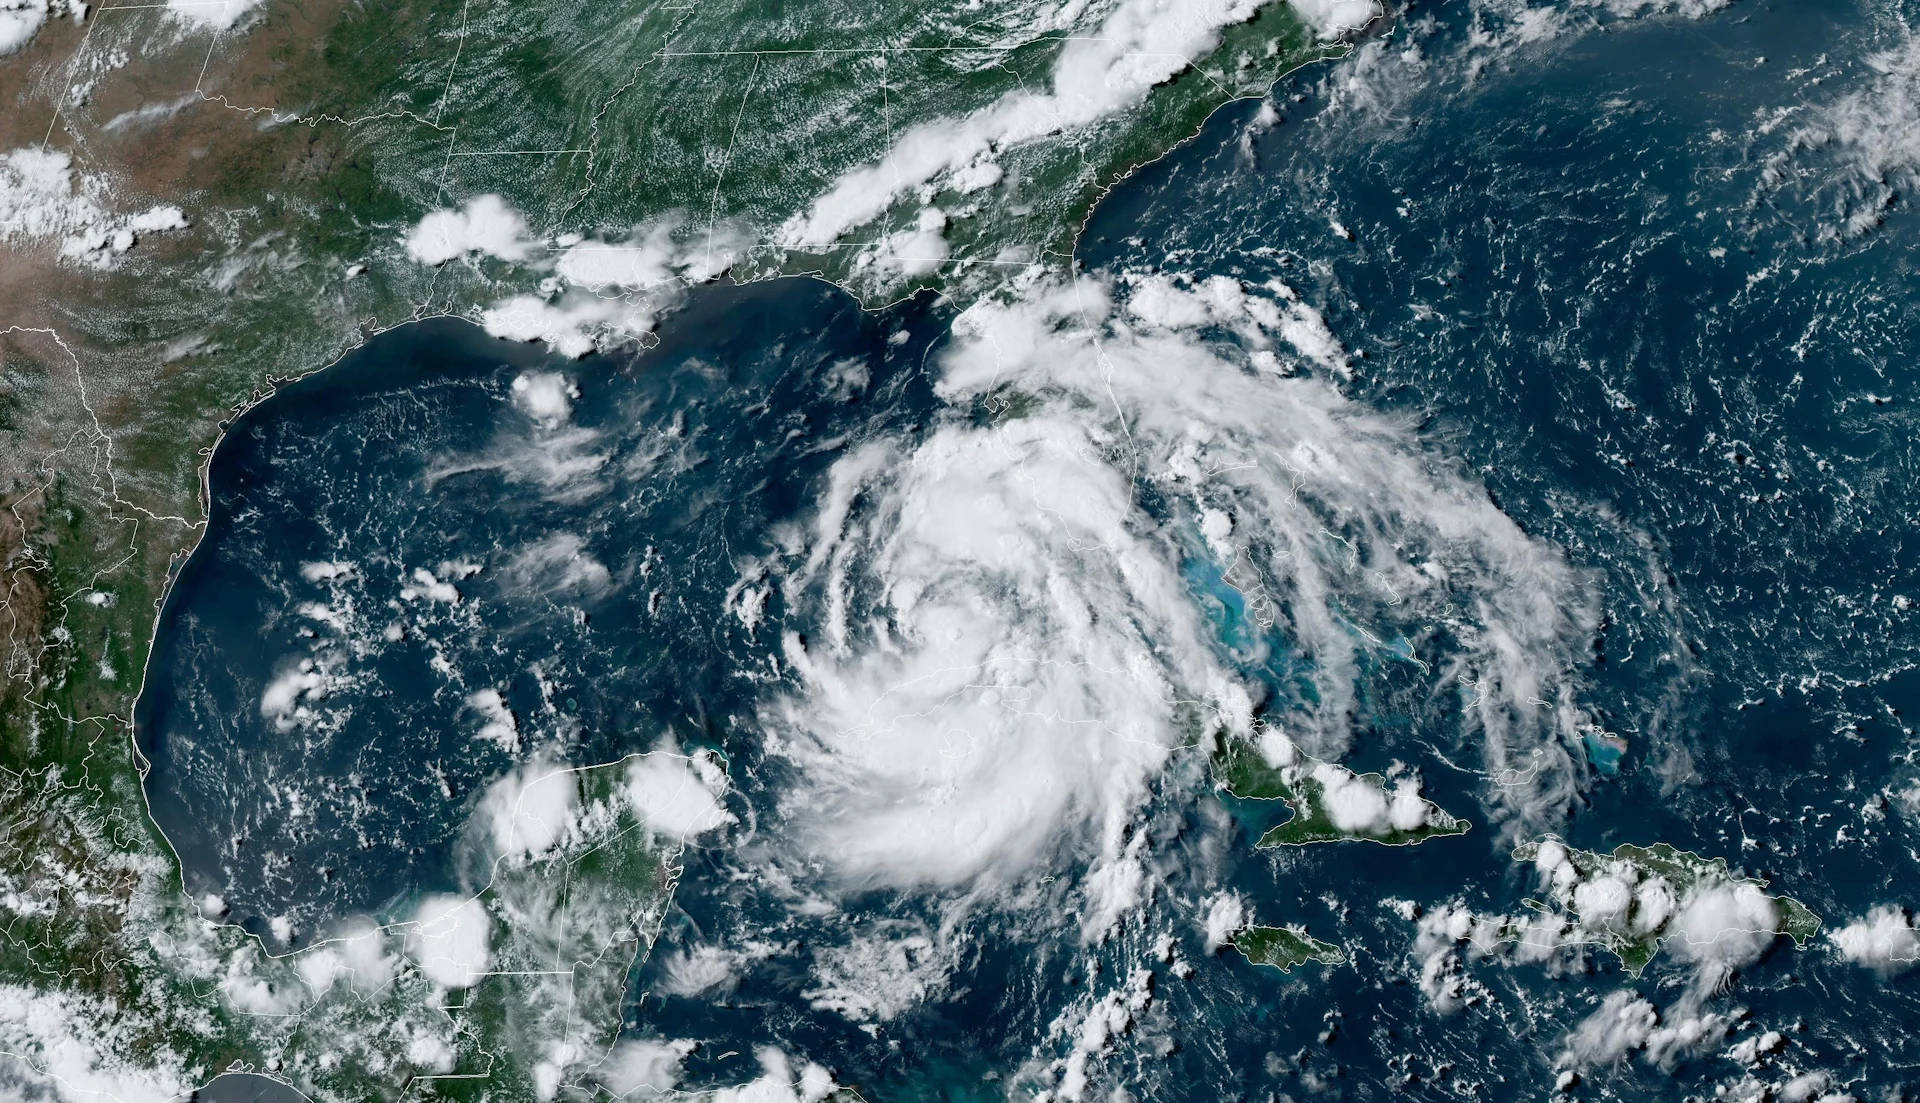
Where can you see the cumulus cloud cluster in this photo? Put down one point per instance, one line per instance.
(1625, 1025)
(1356, 804)
(486, 225)
(498, 725)
(20, 20)
(1360, 805)
(573, 325)
(646, 1068)
(1716, 923)
(546, 397)
(677, 795)
(531, 810)
(642, 1068)
(884, 973)
(1874, 129)
(43, 198)
(597, 293)
(451, 940)
(1446, 932)
(1811, 1086)
(1223, 916)
(1711, 921)
(1093, 1035)
(1139, 44)
(211, 15)
(538, 808)
(1173, 302)
(356, 954)
(1885, 940)
(286, 700)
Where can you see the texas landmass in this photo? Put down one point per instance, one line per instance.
(208, 200)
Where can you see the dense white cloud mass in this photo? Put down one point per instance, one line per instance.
(530, 810)
(997, 701)
(212, 15)
(601, 293)
(1885, 940)
(1620, 1026)
(1725, 925)
(546, 397)
(42, 198)
(1358, 805)
(21, 19)
(1035, 652)
(677, 796)
(355, 954)
(1626, 1024)
(1333, 18)
(1140, 44)
(451, 940)
(661, 252)
(485, 225)
(1225, 916)
(642, 1068)
(69, 1046)
(497, 722)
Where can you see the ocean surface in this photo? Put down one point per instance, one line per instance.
(1647, 277)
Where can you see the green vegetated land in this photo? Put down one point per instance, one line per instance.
(302, 148)
(1244, 772)
(1661, 880)
(1285, 947)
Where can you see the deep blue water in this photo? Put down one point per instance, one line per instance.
(409, 455)
(1532, 276)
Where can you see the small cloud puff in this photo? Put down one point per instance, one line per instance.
(497, 722)
(546, 397)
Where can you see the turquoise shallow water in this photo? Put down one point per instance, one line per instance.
(1609, 271)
